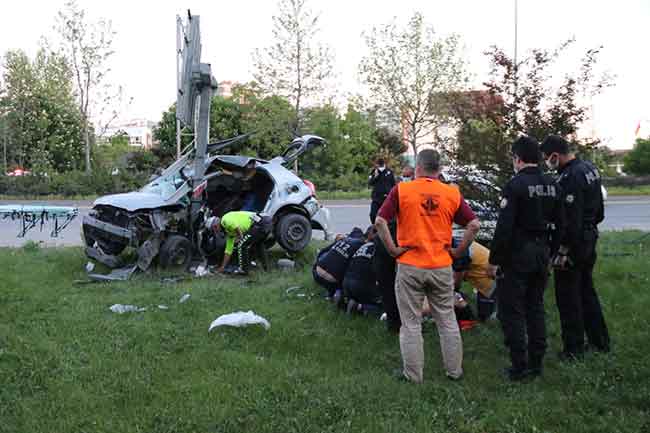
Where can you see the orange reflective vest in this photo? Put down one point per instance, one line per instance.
(424, 222)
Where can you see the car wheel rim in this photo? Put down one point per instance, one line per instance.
(296, 233)
(178, 258)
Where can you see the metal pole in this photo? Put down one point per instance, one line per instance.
(516, 19)
(179, 25)
(516, 67)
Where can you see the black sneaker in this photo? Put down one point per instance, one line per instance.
(239, 272)
(399, 375)
(515, 374)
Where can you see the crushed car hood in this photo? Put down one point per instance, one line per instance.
(132, 201)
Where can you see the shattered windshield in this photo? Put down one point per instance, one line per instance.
(166, 186)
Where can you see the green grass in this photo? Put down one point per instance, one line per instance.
(67, 364)
(344, 195)
(48, 197)
(628, 190)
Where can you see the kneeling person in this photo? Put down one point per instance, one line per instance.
(360, 284)
(332, 263)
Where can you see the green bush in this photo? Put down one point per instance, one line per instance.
(73, 183)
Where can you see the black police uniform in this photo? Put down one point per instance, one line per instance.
(360, 283)
(577, 301)
(381, 184)
(385, 271)
(334, 260)
(528, 230)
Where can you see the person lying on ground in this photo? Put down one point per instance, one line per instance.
(472, 267)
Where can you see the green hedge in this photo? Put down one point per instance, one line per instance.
(73, 183)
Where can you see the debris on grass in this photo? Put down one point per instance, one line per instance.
(184, 298)
(239, 319)
(286, 264)
(121, 309)
(163, 307)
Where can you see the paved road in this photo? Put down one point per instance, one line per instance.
(621, 213)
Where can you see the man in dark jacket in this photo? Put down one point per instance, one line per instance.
(528, 231)
(382, 180)
(576, 297)
(360, 283)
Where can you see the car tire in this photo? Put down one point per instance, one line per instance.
(176, 252)
(293, 232)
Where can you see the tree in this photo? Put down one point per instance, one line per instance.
(522, 98)
(638, 160)
(295, 66)
(42, 125)
(409, 71)
(88, 48)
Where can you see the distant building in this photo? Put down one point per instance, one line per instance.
(224, 88)
(139, 132)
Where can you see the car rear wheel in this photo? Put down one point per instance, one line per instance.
(293, 232)
(176, 252)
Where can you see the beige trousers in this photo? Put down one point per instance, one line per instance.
(412, 285)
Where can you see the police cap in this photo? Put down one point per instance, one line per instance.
(526, 148)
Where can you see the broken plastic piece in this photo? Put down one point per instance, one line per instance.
(90, 266)
(239, 319)
(286, 264)
(291, 289)
(163, 307)
(121, 274)
(201, 271)
(184, 298)
(121, 309)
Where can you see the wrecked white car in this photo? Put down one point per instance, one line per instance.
(157, 221)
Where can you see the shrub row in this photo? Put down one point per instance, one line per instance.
(73, 183)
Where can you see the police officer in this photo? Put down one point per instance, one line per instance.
(576, 298)
(360, 283)
(332, 264)
(382, 180)
(523, 241)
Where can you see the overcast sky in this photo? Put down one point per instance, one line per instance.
(144, 62)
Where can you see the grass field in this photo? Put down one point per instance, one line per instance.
(629, 190)
(68, 364)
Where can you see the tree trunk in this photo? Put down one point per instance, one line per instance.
(87, 140)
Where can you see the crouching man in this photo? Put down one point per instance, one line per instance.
(360, 284)
(244, 230)
(332, 264)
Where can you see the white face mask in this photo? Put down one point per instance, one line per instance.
(381, 168)
(552, 164)
(406, 178)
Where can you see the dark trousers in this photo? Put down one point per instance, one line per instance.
(254, 238)
(386, 273)
(374, 209)
(364, 292)
(579, 307)
(521, 312)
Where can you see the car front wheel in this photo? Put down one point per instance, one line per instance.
(176, 252)
(293, 232)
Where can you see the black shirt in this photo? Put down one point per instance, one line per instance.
(531, 210)
(583, 200)
(335, 258)
(381, 182)
(360, 267)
